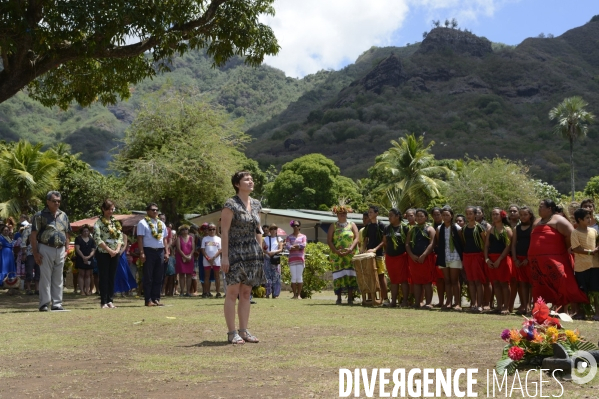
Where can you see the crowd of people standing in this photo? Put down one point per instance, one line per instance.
(514, 255)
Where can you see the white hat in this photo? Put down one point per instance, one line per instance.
(24, 223)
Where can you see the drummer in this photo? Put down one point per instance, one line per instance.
(373, 241)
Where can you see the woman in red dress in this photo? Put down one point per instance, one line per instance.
(552, 270)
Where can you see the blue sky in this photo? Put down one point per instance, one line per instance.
(329, 34)
(511, 23)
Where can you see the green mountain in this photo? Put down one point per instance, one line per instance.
(471, 97)
(254, 94)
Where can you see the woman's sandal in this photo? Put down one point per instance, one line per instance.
(234, 338)
(247, 336)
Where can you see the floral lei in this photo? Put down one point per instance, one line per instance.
(114, 226)
(156, 234)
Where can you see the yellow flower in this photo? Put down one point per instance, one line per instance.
(515, 336)
(552, 334)
(572, 336)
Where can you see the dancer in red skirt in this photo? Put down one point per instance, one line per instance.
(497, 247)
(419, 246)
(396, 257)
(474, 259)
(522, 269)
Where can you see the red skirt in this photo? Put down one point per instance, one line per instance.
(438, 272)
(397, 267)
(503, 273)
(524, 273)
(422, 273)
(474, 266)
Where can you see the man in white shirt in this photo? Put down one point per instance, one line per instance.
(153, 246)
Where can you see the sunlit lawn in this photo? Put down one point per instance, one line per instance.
(181, 349)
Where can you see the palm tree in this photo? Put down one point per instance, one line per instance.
(26, 175)
(572, 123)
(415, 175)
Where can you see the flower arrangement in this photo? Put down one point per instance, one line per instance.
(534, 341)
(343, 207)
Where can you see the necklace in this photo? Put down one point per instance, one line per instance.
(156, 234)
(542, 221)
(342, 225)
(113, 226)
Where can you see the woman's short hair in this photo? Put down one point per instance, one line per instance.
(236, 178)
(108, 204)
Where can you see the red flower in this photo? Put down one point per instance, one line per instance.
(515, 353)
(503, 214)
(540, 312)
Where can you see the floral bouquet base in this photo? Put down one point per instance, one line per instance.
(529, 346)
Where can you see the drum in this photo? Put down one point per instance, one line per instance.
(368, 279)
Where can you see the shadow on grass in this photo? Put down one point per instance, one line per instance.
(206, 343)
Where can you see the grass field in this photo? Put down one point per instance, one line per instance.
(180, 350)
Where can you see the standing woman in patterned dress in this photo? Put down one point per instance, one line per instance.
(242, 257)
(343, 238)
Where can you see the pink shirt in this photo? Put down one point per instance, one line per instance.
(296, 255)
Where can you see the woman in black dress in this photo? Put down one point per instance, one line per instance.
(85, 248)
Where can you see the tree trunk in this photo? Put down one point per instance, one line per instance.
(572, 166)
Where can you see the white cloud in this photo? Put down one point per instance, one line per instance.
(328, 34)
(323, 34)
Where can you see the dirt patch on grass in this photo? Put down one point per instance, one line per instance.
(180, 349)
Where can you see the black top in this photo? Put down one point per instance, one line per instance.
(523, 241)
(495, 246)
(86, 249)
(421, 239)
(393, 235)
(470, 246)
(455, 237)
(374, 232)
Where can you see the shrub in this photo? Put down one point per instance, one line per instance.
(317, 264)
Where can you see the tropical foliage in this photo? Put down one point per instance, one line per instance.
(572, 123)
(87, 51)
(317, 264)
(490, 183)
(414, 176)
(311, 182)
(180, 152)
(26, 175)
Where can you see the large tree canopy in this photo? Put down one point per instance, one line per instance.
(181, 152)
(89, 50)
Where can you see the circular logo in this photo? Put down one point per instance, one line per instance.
(585, 367)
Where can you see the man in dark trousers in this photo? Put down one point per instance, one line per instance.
(152, 239)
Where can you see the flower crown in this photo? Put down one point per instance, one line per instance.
(292, 223)
(343, 206)
(341, 209)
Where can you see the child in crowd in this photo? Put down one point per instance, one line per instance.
(211, 250)
(584, 245)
